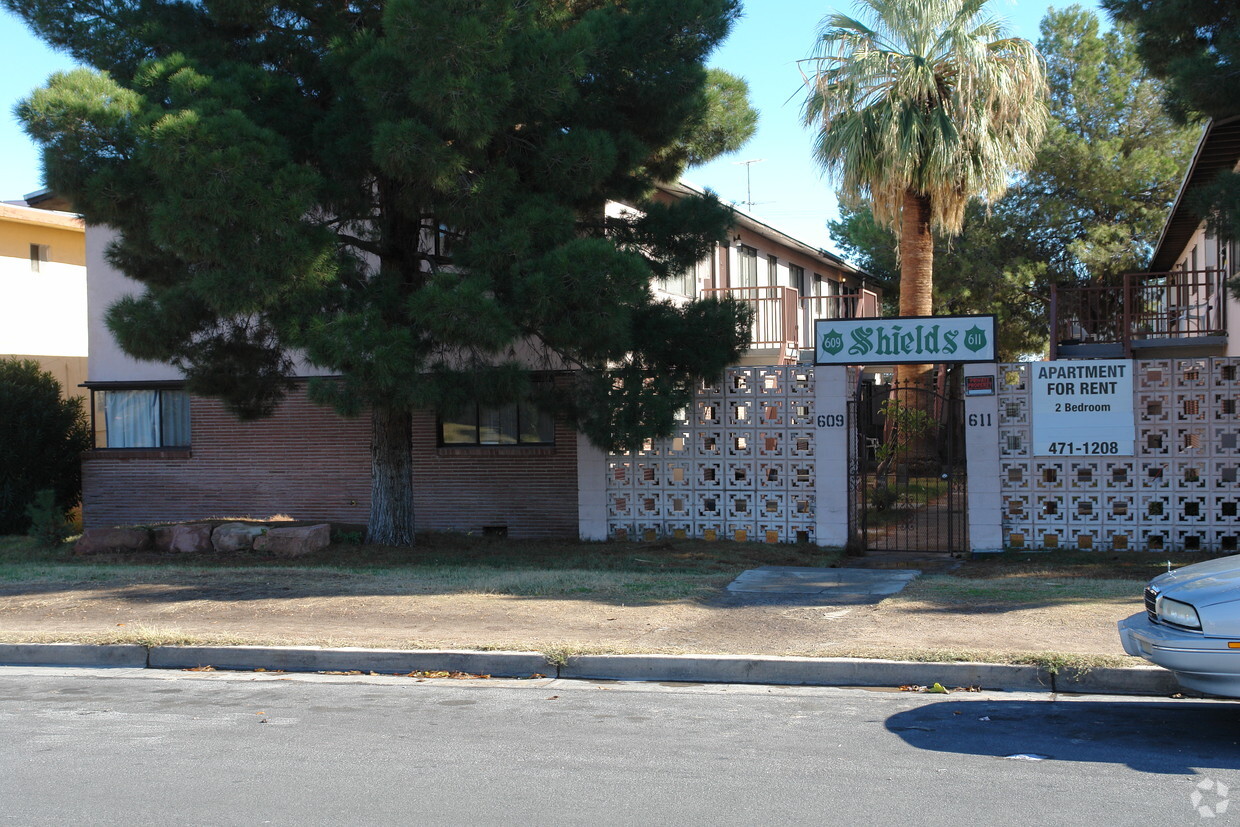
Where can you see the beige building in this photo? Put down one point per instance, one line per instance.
(43, 288)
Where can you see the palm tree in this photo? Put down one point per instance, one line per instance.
(921, 110)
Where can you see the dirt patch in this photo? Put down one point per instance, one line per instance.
(931, 617)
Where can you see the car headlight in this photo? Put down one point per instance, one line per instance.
(1180, 614)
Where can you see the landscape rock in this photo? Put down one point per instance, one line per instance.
(231, 537)
(102, 540)
(295, 541)
(193, 538)
(161, 537)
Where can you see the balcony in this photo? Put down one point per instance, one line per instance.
(1182, 312)
(783, 322)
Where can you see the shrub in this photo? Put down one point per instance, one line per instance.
(47, 520)
(42, 438)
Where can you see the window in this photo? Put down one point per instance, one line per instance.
(440, 239)
(772, 271)
(38, 255)
(681, 284)
(796, 278)
(832, 290)
(748, 267)
(141, 418)
(515, 424)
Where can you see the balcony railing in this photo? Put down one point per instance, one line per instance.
(1148, 310)
(784, 320)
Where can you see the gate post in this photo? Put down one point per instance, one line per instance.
(831, 455)
(981, 440)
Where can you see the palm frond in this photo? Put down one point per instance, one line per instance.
(923, 96)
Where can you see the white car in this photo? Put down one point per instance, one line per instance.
(1191, 625)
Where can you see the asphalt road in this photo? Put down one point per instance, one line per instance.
(146, 747)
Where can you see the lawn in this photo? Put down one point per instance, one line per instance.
(440, 563)
(485, 593)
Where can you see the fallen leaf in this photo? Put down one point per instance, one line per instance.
(937, 689)
(554, 698)
(200, 669)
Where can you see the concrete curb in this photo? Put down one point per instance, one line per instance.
(314, 659)
(1111, 680)
(129, 655)
(805, 671)
(788, 671)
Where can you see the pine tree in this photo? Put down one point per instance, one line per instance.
(1194, 45)
(410, 194)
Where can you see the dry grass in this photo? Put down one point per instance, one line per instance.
(1098, 565)
(1022, 588)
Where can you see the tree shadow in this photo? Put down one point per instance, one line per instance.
(1163, 737)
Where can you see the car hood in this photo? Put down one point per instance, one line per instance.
(1203, 584)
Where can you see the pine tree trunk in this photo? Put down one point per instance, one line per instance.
(391, 478)
(916, 272)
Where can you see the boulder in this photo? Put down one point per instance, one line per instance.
(192, 538)
(161, 537)
(101, 540)
(294, 541)
(231, 537)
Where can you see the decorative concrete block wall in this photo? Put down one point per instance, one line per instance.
(741, 464)
(1180, 491)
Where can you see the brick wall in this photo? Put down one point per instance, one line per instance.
(304, 461)
(309, 463)
(531, 490)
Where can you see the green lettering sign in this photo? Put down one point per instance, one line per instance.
(904, 341)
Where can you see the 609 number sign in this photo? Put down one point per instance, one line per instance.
(831, 421)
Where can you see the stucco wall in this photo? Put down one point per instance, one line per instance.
(42, 313)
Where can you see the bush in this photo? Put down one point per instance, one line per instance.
(42, 438)
(47, 520)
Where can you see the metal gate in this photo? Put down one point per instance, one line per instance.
(907, 477)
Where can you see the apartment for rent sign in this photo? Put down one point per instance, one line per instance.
(1083, 408)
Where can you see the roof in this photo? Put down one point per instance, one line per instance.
(1217, 151)
(47, 200)
(40, 217)
(751, 222)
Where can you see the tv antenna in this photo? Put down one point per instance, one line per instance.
(748, 203)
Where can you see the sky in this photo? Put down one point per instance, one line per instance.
(787, 190)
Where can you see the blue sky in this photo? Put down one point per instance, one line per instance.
(763, 48)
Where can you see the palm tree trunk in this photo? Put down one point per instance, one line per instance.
(916, 272)
(391, 478)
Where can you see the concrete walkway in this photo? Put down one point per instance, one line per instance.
(833, 587)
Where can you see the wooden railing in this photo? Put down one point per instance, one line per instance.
(1147, 308)
(784, 320)
(774, 317)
